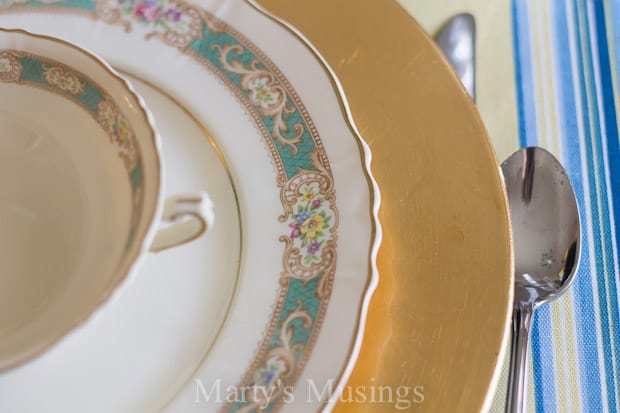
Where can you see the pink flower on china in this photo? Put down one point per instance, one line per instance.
(147, 11)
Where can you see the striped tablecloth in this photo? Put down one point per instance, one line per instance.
(548, 75)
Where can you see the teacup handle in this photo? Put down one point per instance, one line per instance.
(184, 219)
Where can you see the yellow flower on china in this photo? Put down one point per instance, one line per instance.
(308, 195)
(123, 131)
(312, 226)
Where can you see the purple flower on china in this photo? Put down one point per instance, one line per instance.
(314, 247)
(173, 15)
(268, 376)
(316, 203)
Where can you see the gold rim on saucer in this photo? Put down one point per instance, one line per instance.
(438, 321)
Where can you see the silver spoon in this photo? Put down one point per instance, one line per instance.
(457, 41)
(546, 233)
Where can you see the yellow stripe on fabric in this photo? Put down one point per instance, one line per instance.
(558, 356)
(573, 360)
(531, 394)
(536, 49)
(569, 363)
(591, 101)
(549, 81)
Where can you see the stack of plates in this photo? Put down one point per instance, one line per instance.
(267, 310)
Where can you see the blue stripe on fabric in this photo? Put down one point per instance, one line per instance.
(523, 70)
(613, 156)
(590, 379)
(604, 214)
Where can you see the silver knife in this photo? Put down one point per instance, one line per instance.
(457, 40)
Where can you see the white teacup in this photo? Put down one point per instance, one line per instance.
(80, 190)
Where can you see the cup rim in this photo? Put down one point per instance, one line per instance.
(144, 241)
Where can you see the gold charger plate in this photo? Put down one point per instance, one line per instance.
(439, 318)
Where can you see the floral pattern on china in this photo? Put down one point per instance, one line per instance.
(310, 223)
(175, 22)
(159, 13)
(262, 94)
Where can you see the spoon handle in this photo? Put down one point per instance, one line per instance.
(521, 326)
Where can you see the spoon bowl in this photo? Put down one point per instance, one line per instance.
(545, 222)
(546, 234)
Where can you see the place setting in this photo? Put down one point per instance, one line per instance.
(267, 205)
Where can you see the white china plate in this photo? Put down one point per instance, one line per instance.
(236, 308)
